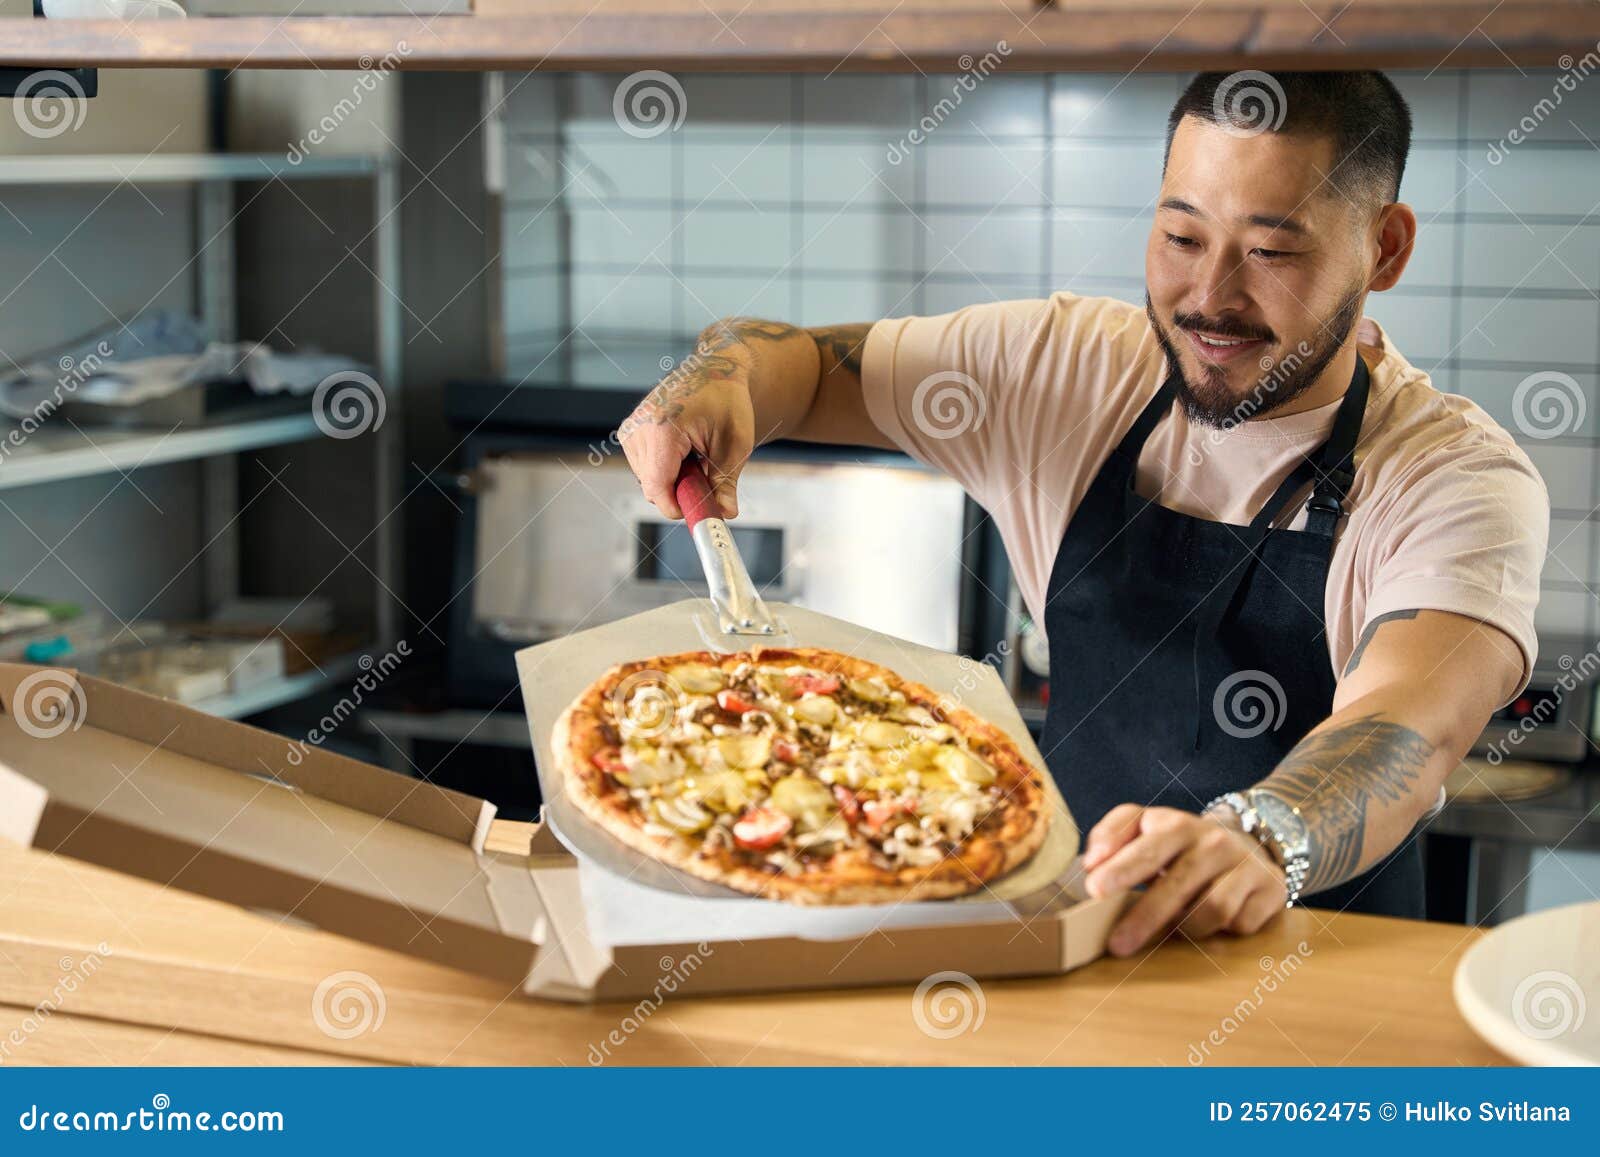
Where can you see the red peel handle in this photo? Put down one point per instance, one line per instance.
(694, 496)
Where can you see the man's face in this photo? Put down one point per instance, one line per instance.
(1255, 268)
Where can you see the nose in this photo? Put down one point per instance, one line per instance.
(1220, 282)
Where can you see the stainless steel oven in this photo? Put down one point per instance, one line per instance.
(564, 542)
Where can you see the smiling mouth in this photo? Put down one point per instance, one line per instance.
(1213, 348)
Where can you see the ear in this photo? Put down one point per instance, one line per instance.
(1394, 236)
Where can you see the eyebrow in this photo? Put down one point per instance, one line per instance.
(1261, 220)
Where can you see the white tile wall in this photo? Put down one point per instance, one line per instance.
(802, 197)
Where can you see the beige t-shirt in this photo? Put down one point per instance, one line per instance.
(1022, 401)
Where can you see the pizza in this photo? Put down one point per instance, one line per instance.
(800, 774)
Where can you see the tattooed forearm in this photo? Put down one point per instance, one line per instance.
(1366, 636)
(741, 331)
(841, 346)
(1333, 774)
(709, 363)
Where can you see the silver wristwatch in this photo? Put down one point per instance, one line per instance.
(1278, 827)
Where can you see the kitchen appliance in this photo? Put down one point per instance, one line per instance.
(554, 535)
(1553, 718)
(733, 616)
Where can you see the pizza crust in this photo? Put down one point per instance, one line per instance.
(848, 877)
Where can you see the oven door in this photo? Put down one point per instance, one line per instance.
(564, 543)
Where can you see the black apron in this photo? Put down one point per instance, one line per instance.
(1187, 657)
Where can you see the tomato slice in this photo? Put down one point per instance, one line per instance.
(733, 701)
(849, 805)
(879, 812)
(786, 750)
(820, 684)
(760, 828)
(609, 760)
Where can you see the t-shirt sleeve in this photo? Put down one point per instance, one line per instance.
(1469, 538)
(996, 393)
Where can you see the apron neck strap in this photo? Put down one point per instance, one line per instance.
(1336, 462)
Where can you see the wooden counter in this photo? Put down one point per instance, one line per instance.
(183, 980)
(1082, 35)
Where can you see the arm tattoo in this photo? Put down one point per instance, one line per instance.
(843, 344)
(1333, 774)
(708, 363)
(1366, 636)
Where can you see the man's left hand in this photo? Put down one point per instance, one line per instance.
(1202, 877)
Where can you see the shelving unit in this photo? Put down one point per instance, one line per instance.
(277, 692)
(1085, 35)
(58, 451)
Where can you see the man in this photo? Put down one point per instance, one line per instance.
(1284, 581)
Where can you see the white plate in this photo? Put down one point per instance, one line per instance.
(1531, 987)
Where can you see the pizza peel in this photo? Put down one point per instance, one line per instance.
(733, 618)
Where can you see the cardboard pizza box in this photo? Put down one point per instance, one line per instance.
(145, 786)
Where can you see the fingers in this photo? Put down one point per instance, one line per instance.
(1259, 910)
(1220, 905)
(655, 453)
(1206, 856)
(714, 420)
(1162, 833)
(1115, 829)
(728, 447)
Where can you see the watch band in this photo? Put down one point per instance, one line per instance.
(1288, 850)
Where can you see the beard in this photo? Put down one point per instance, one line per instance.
(1210, 402)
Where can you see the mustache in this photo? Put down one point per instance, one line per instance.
(1223, 327)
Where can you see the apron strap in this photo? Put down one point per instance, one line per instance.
(1132, 444)
(1333, 467)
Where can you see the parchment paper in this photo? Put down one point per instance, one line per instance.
(635, 898)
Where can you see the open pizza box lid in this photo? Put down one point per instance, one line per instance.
(146, 786)
(634, 900)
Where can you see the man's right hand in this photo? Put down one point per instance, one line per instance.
(702, 407)
(748, 381)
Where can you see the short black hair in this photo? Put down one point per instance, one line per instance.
(1362, 112)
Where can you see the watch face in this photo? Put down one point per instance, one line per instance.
(1282, 821)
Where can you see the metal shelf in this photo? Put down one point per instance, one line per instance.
(172, 168)
(277, 692)
(54, 453)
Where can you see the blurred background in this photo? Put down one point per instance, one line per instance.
(501, 264)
